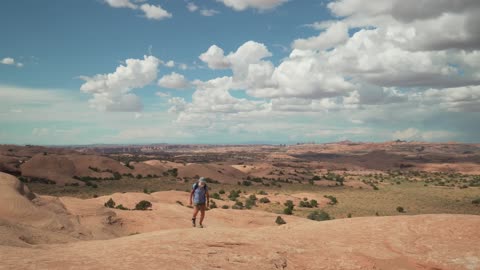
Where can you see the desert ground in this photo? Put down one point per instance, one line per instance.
(392, 205)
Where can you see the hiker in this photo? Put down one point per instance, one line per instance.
(201, 200)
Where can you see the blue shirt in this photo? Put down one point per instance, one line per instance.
(199, 194)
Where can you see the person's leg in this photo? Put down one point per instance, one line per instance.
(202, 213)
(195, 213)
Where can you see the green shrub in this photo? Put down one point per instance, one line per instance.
(314, 203)
(288, 211)
(264, 200)
(213, 204)
(121, 207)
(280, 221)
(333, 200)
(400, 209)
(173, 172)
(211, 181)
(117, 176)
(246, 183)
(234, 194)
(319, 215)
(110, 203)
(143, 205)
(349, 215)
(145, 190)
(476, 201)
(225, 207)
(249, 203)
(216, 196)
(261, 192)
(238, 205)
(289, 204)
(221, 191)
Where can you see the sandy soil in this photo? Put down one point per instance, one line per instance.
(42, 232)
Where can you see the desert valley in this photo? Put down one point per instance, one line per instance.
(393, 205)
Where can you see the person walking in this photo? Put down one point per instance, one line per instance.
(200, 199)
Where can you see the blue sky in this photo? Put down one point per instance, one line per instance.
(238, 71)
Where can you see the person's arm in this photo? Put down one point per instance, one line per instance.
(208, 198)
(191, 197)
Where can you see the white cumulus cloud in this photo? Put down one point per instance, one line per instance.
(112, 92)
(121, 4)
(155, 12)
(192, 7)
(173, 81)
(262, 5)
(8, 61)
(208, 12)
(334, 34)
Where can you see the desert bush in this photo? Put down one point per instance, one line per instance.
(173, 172)
(349, 215)
(121, 207)
(213, 204)
(216, 196)
(314, 203)
(400, 209)
(117, 176)
(143, 205)
(211, 181)
(280, 221)
(225, 207)
(110, 203)
(95, 196)
(264, 200)
(319, 216)
(333, 200)
(289, 204)
(305, 204)
(145, 190)
(288, 211)
(261, 192)
(334, 177)
(246, 183)
(316, 178)
(94, 169)
(238, 205)
(234, 194)
(249, 204)
(221, 191)
(476, 201)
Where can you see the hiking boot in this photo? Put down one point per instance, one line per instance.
(200, 226)
(193, 222)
